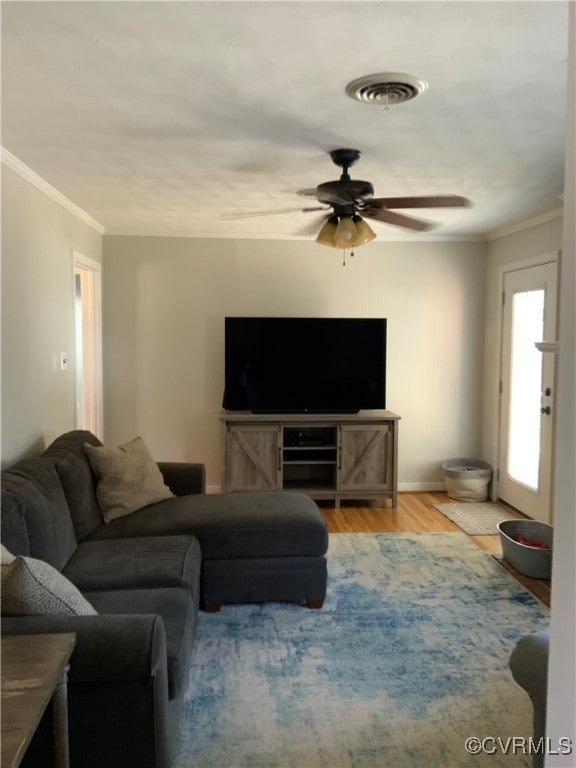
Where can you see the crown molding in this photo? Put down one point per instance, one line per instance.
(524, 224)
(16, 165)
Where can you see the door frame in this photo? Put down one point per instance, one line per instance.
(87, 263)
(550, 257)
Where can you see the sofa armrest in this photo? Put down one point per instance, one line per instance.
(108, 647)
(529, 667)
(529, 664)
(183, 478)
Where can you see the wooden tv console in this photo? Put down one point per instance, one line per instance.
(328, 456)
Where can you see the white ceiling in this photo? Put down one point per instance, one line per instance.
(159, 118)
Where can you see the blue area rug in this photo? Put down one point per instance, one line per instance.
(407, 659)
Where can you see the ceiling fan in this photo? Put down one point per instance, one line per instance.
(352, 200)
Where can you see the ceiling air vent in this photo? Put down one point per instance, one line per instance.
(385, 90)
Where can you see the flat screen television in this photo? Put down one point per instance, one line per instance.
(304, 365)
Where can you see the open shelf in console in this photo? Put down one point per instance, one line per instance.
(309, 456)
(309, 476)
(306, 436)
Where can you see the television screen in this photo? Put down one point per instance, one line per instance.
(301, 365)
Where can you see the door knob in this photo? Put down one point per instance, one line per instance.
(545, 410)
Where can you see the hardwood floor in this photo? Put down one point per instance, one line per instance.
(416, 513)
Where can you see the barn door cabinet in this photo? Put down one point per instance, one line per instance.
(328, 456)
(252, 457)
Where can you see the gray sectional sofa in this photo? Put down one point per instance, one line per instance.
(146, 575)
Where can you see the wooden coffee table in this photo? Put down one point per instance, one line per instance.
(34, 671)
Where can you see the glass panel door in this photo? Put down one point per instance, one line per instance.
(527, 389)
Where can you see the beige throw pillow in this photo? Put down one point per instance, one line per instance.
(128, 478)
(32, 587)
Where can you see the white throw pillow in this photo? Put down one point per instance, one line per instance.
(32, 587)
(128, 478)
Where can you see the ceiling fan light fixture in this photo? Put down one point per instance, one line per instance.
(327, 233)
(345, 232)
(364, 233)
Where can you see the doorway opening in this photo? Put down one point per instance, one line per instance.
(88, 343)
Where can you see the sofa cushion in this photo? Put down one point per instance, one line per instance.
(36, 485)
(229, 525)
(128, 478)
(32, 587)
(178, 609)
(159, 561)
(13, 526)
(77, 478)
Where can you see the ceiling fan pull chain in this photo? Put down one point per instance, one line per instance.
(344, 256)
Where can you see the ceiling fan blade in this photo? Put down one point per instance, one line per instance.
(252, 214)
(430, 201)
(397, 219)
(312, 227)
(310, 192)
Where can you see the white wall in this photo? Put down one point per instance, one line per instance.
(165, 300)
(38, 237)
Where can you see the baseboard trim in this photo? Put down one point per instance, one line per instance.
(422, 487)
